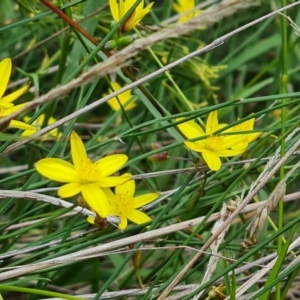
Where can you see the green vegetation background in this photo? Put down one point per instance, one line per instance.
(248, 66)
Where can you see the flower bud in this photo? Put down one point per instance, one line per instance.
(158, 157)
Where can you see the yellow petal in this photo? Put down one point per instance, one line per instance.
(115, 86)
(129, 23)
(111, 197)
(123, 222)
(15, 95)
(124, 98)
(229, 153)
(12, 109)
(5, 105)
(57, 170)
(78, 152)
(137, 216)
(112, 181)
(127, 188)
(69, 190)
(142, 12)
(137, 15)
(212, 123)
(190, 129)
(29, 132)
(178, 8)
(91, 220)
(244, 126)
(5, 71)
(213, 161)
(111, 163)
(20, 125)
(115, 105)
(144, 199)
(240, 146)
(253, 136)
(195, 146)
(122, 8)
(114, 8)
(96, 199)
(233, 140)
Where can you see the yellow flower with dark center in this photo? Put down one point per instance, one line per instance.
(184, 6)
(37, 126)
(7, 106)
(119, 8)
(84, 176)
(214, 146)
(124, 99)
(124, 204)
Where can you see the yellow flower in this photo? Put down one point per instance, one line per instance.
(214, 146)
(84, 176)
(124, 205)
(184, 6)
(37, 126)
(6, 103)
(119, 8)
(123, 98)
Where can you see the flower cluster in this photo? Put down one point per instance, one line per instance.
(230, 143)
(7, 106)
(94, 180)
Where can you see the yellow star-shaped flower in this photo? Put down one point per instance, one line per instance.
(84, 176)
(124, 204)
(214, 146)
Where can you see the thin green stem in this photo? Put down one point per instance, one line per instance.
(284, 84)
(4, 287)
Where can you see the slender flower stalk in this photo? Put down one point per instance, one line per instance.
(124, 204)
(7, 106)
(83, 176)
(37, 126)
(185, 6)
(119, 8)
(213, 146)
(124, 99)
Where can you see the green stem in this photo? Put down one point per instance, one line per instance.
(4, 287)
(284, 84)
